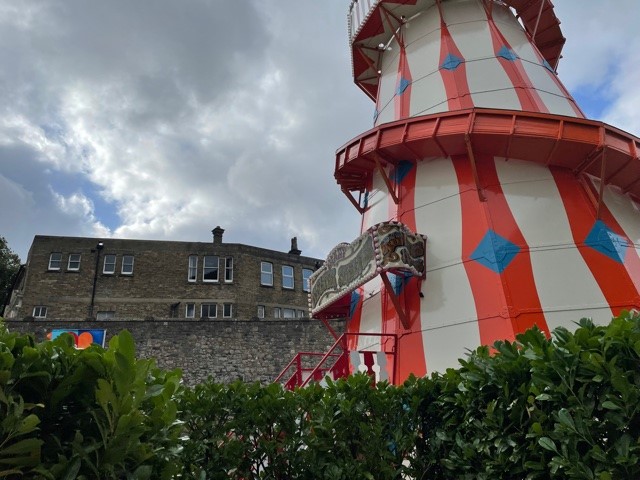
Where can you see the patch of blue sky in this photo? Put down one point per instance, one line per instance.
(53, 131)
(593, 100)
(68, 184)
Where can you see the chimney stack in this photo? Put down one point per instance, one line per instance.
(217, 234)
(294, 247)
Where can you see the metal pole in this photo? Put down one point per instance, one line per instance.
(99, 247)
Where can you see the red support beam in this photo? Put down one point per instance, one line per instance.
(396, 302)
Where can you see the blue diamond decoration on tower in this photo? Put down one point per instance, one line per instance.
(507, 54)
(401, 170)
(355, 299)
(607, 242)
(451, 62)
(375, 115)
(495, 252)
(404, 83)
(398, 281)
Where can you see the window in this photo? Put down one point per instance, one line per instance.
(40, 312)
(106, 315)
(55, 259)
(127, 264)
(228, 269)
(227, 310)
(192, 274)
(288, 313)
(190, 310)
(261, 311)
(266, 273)
(209, 310)
(306, 274)
(74, 262)
(210, 270)
(300, 313)
(287, 276)
(277, 312)
(109, 264)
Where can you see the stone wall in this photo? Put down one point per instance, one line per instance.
(250, 350)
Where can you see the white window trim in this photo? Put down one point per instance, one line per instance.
(104, 264)
(277, 312)
(261, 311)
(306, 288)
(292, 277)
(209, 305)
(59, 261)
(69, 262)
(262, 271)
(224, 306)
(228, 268)
(39, 308)
(204, 269)
(123, 264)
(195, 269)
(193, 311)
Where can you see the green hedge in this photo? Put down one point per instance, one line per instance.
(565, 407)
(93, 414)
(537, 408)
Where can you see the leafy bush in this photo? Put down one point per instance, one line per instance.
(565, 407)
(90, 413)
(538, 408)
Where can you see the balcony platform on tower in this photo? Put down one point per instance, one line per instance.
(583, 146)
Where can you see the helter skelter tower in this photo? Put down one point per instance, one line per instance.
(530, 210)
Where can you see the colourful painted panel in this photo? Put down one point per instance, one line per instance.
(82, 338)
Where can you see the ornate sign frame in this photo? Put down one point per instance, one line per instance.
(385, 247)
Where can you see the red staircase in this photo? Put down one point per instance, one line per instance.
(335, 363)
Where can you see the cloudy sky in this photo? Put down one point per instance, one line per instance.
(161, 119)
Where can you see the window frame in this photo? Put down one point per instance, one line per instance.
(264, 272)
(228, 269)
(192, 268)
(191, 306)
(224, 310)
(107, 315)
(39, 309)
(262, 310)
(288, 313)
(277, 312)
(208, 306)
(216, 269)
(124, 257)
(58, 261)
(69, 261)
(290, 277)
(306, 283)
(104, 264)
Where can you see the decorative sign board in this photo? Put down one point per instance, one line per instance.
(82, 338)
(385, 247)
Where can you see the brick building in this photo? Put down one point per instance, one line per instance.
(73, 278)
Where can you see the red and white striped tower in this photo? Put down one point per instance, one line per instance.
(529, 209)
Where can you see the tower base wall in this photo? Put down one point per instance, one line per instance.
(511, 244)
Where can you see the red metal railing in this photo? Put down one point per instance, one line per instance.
(334, 363)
